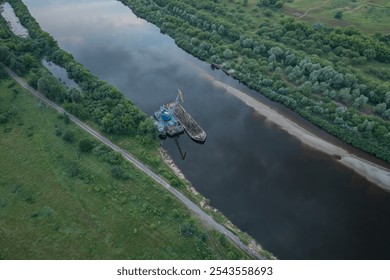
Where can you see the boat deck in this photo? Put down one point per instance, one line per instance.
(192, 128)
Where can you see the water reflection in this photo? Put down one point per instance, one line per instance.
(182, 154)
(60, 73)
(9, 15)
(297, 202)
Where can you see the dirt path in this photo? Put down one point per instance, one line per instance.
(314, 8)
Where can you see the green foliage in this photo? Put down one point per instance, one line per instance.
(68, 136)
(66, 118)
(95, 100)
(86, 145)
(303, 67)
(267, 13)
(270, 3)
(65, 176)
(32, 79)
(58, 132)
(61, 205)
(51, 87)
(368, 15)
(228, 54)
(339, 15)
(118, 173)
(107, 155)
(74, 95)
(279, 4)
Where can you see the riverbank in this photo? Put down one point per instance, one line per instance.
(205, 219)
(205, 205)
(247, 60)
(373, 172)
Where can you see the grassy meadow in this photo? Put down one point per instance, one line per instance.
(368, 15)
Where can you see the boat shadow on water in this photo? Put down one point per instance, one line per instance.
(176, 140)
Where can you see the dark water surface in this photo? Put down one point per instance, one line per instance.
(298, 203)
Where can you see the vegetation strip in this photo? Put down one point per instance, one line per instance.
(192, 206)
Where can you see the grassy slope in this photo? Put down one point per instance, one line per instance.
(49, 211)
(368, 15)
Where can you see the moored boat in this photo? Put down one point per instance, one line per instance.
(191, 127)
(173, 119)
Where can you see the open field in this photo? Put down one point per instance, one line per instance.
(368, 15)
(57, 202)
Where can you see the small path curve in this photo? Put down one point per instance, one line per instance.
(314, 8)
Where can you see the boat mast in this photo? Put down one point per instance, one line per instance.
(180, 94)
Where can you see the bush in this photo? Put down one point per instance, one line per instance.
(58, 132)
(339, 15)
(66, 118)
(267, 13)
(68, 136)
(3, 119)
(279, 4)
(86, 145)
(118, 173)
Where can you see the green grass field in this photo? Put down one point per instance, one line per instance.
(59, 203)
(368, 15)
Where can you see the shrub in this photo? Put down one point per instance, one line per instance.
(86, 145)
(118, 173)
(68, 136)
(339, 15)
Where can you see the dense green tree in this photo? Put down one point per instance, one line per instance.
(339, 15)
(386, 114)
(86, 145)
(4, 54)
(380, 108)
(118, 172)
(51, 87)
(267, 12)
(387, 98)
(74, 95)
(360, 101)
(228, 54)
(68, 136)
(370, 54)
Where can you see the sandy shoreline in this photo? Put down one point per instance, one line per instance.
(375, 173)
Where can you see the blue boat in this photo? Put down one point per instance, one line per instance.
(167, 123)
(172, 119)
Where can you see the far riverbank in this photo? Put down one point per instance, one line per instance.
(375, 173)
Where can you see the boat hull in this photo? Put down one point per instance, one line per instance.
(191, 127)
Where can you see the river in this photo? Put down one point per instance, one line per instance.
(297, 202)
